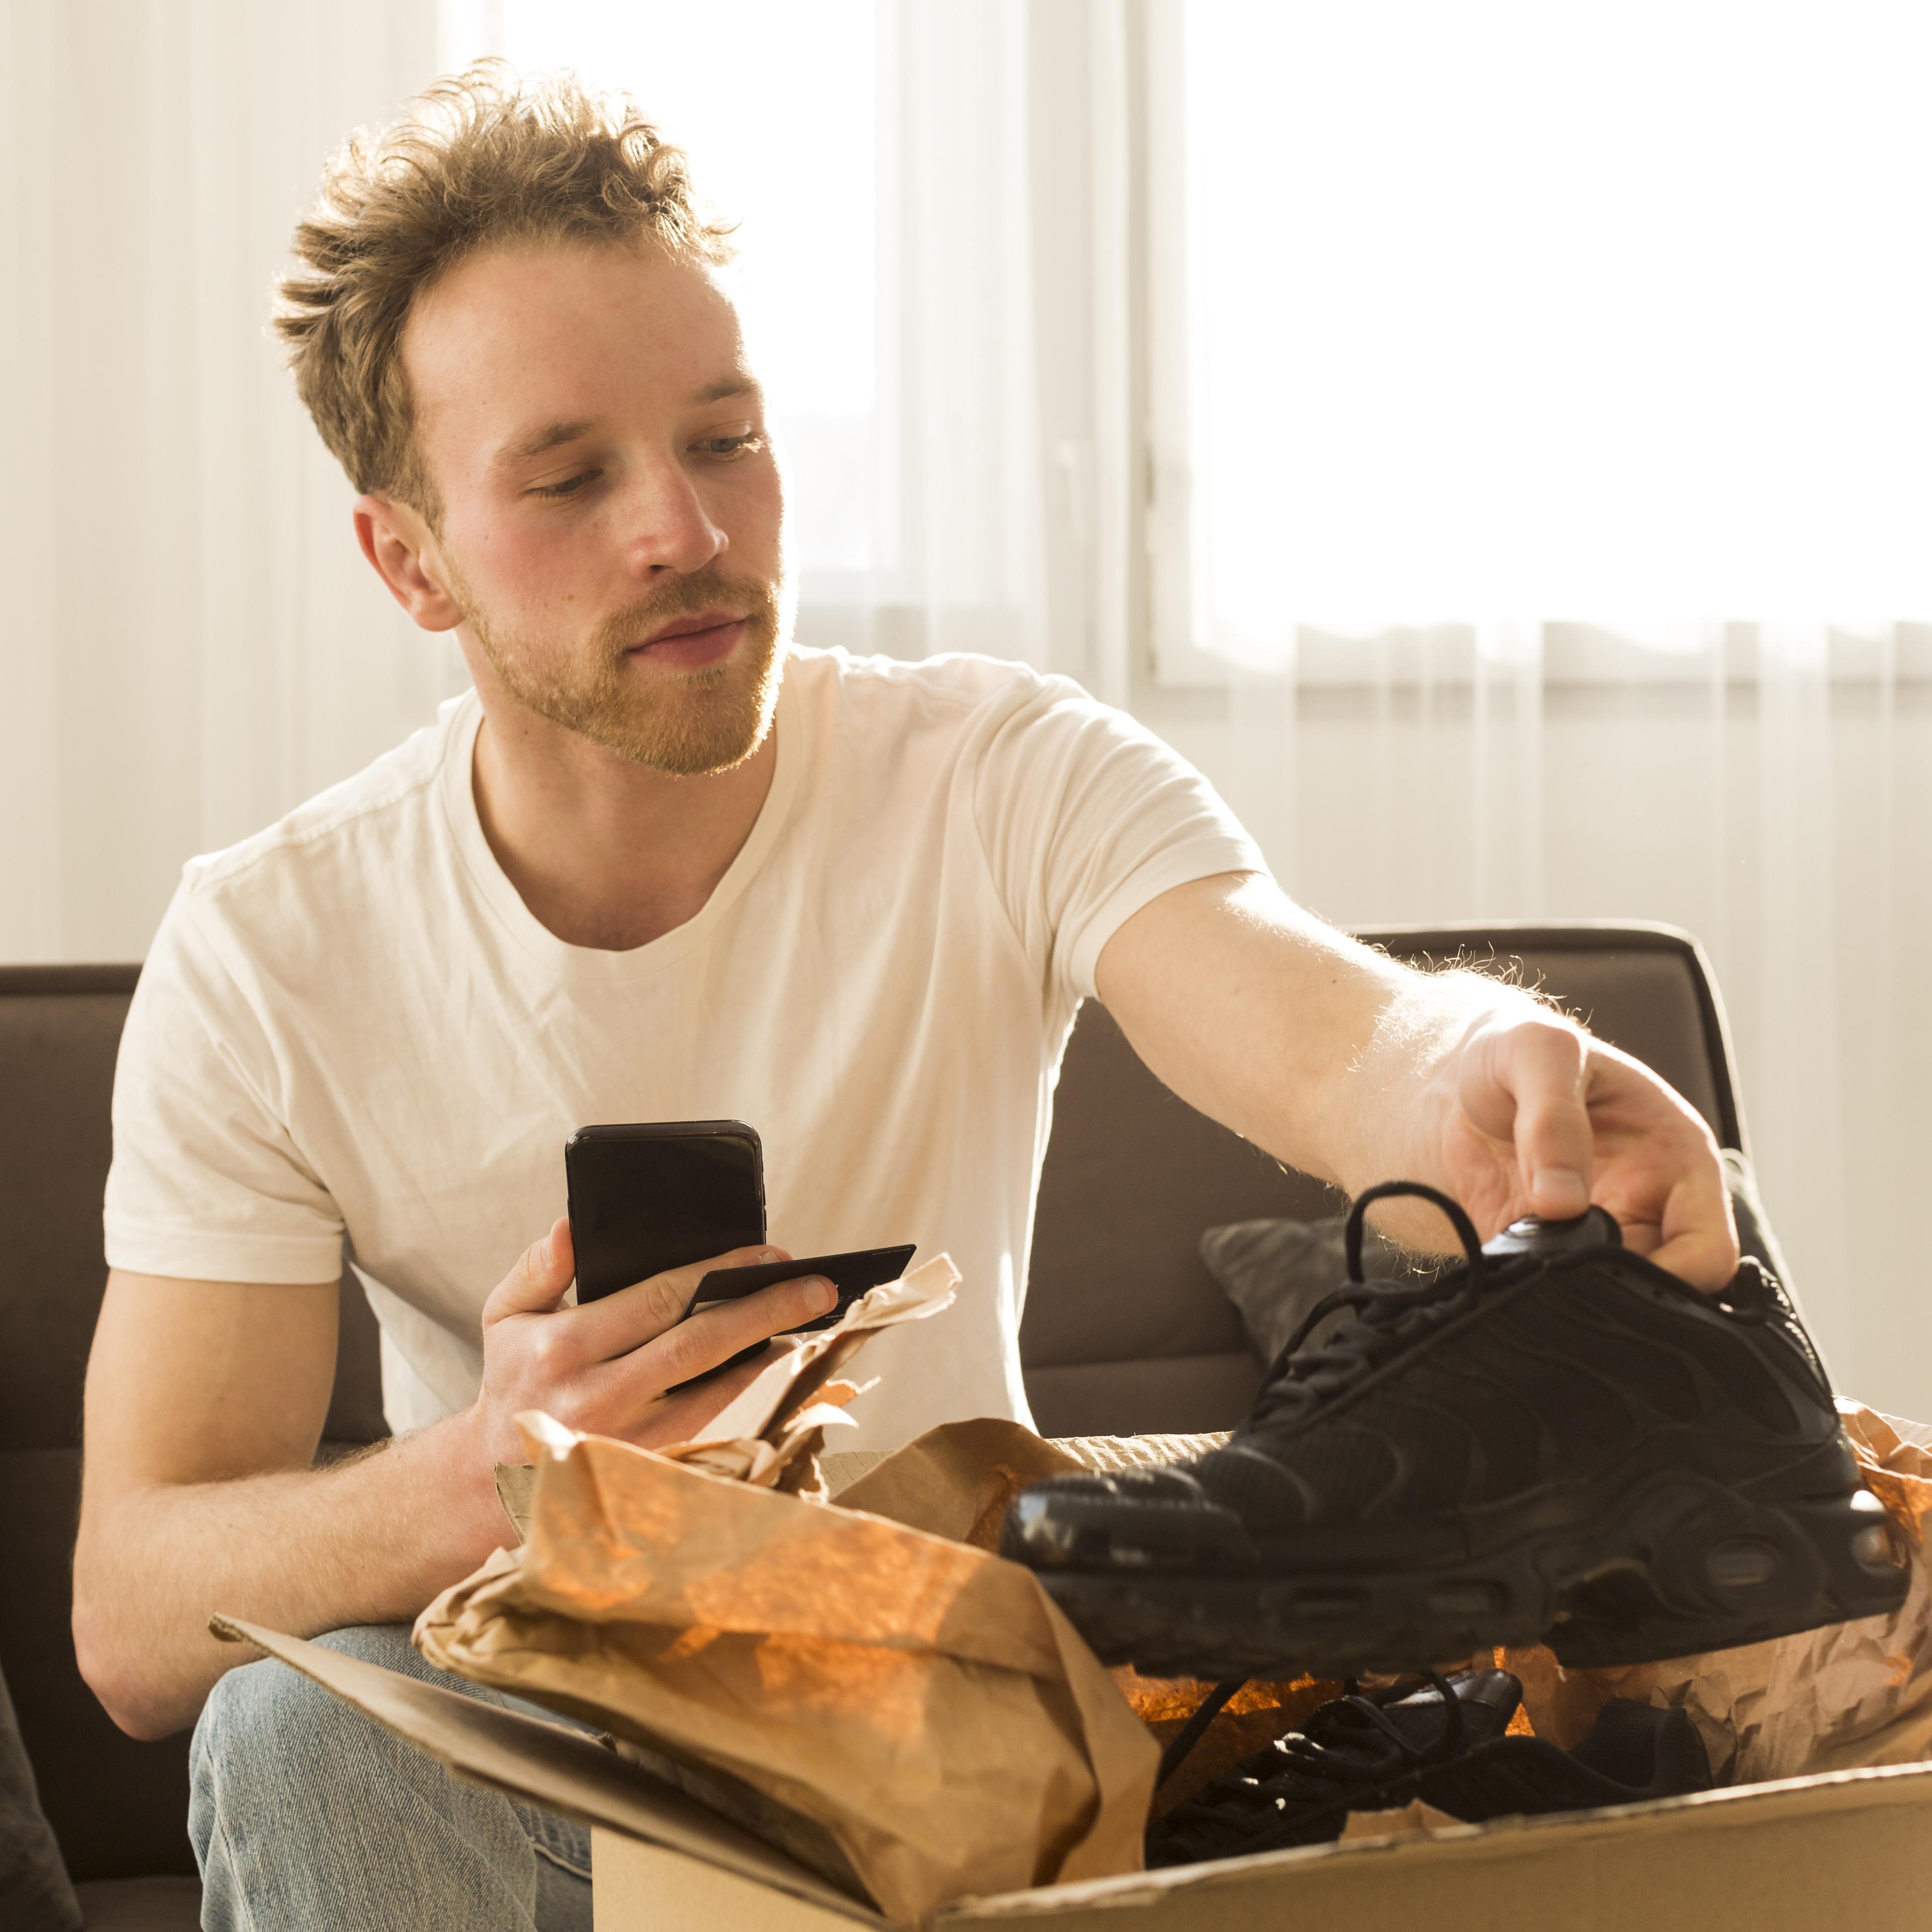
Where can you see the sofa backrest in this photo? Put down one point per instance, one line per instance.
(117, 1807)
(1124, 1330)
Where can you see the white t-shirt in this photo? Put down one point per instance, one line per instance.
(351, 1023)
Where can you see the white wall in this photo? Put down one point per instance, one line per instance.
(194, 643)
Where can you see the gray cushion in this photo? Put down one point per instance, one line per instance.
(1274, 1272)
(35, 1893)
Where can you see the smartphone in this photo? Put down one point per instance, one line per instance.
(661, 1194)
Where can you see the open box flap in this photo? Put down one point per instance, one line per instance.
(563, 1770)
(1672, 1838)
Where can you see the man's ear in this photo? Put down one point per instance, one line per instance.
(404, 550)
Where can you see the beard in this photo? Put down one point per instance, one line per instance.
(689, 723)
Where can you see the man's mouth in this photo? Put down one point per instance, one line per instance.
(702, 638)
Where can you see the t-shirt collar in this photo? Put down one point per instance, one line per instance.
(462, 717)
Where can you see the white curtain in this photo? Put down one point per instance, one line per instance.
(1771, 793)
(193, 643)
(956, 544)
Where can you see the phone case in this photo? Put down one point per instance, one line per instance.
(650, 1196)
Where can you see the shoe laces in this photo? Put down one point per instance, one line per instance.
(1382, 1318)
(1307, 1776)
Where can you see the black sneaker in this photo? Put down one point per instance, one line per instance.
(1446, 1744)
(1357, 1753)
(1634, 1753)
(1556, 1441)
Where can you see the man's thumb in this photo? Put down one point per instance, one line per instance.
(538, 1281)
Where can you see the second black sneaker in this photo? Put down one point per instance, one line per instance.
(1556, 1441)
(1445, 1743)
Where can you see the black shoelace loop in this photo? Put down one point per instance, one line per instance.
(1389, 1190)
(1383, 1314)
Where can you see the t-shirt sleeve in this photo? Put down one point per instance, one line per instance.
(1085, 816)
(206, 1182)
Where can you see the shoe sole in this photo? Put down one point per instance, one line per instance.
(1680, 1566)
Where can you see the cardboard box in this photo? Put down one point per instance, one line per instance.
(1851, 1848)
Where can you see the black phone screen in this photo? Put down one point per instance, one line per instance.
(652, 1196)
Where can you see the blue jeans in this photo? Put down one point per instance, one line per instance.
(307, 1816)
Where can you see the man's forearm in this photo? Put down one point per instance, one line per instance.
(1348, 1066)
(371, 1540)
(1384, 1113)
(1335, 1058)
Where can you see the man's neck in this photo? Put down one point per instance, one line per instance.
(605, 853)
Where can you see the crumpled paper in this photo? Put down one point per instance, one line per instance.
(920, 1703)
(769, 1436)
(1415, 1819)
(1840, 1699)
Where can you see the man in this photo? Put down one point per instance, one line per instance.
(661, 865)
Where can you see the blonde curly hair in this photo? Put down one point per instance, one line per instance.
(481, 158)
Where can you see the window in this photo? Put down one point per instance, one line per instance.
(1515, 309)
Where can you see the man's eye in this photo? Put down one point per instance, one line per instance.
(569, 486)
(729, 446)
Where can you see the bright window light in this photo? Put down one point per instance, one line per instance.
(775, 104)
(1525, 307)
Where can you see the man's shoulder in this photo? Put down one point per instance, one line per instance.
(953, 687)
(340, 838)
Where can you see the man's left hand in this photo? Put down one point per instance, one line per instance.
(1543, 1120)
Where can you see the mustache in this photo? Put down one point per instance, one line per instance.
(703, 590)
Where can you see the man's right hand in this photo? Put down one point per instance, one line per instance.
(206, 1401)
(606, 1367)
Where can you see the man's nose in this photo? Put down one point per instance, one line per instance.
(667, 525)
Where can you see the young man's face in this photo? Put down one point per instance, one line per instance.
(611, 508)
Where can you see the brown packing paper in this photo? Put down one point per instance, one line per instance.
(956, 1481)
(1840, 1698)
(922, 1701)
(908, 1708)
(770, 1434)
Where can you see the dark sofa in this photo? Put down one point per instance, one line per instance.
(1125, 1331)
